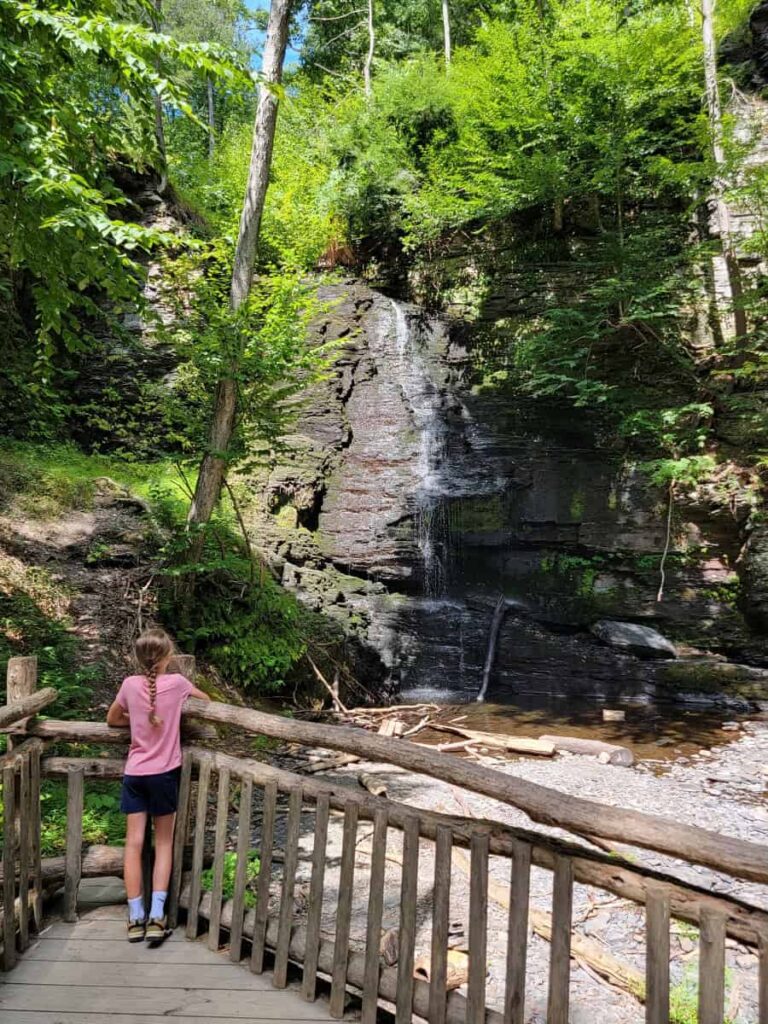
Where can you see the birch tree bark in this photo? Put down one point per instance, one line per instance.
(211, 119)
(371, 47)
(214, 463)
(715, 113)
(157, 21)
(447, 33)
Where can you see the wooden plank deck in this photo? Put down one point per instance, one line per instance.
(86, 973)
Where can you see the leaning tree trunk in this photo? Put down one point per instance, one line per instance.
(371, 46)
(716, 128)
(214, 464)
(447, 33)
(211, 118)
(157, 21)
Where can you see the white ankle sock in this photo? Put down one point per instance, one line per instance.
(158, 905)
(136, 908)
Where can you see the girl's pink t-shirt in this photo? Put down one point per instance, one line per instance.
(154, 748)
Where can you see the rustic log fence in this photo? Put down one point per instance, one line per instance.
(290, 816)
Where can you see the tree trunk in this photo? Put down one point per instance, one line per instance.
(211, 119)
(715, 112)
(213, 466)
(371, 46)
(447, 33)
(157, 20)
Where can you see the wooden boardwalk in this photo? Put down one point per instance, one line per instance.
(87, 972)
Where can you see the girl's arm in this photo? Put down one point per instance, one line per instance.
(117, 715)
(199, 694)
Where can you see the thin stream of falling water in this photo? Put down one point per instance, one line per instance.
(423, 399)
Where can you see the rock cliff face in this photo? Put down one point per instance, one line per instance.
(412, 505)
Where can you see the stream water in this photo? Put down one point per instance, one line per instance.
(652, 732)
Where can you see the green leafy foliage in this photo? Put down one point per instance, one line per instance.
(103, 821)
(230, 868)
(74, 78)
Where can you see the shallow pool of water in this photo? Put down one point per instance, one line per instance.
(651, 731)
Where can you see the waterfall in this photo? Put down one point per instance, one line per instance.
(423, 398)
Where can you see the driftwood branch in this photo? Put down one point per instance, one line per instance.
(337, 704)
(514, 744)
(594, 748)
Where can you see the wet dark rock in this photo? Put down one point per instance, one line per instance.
(641, 641)
(410, 503)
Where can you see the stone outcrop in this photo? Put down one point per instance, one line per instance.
(631, 638)
(409, 504)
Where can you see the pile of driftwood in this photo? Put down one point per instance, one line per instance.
(407, 721)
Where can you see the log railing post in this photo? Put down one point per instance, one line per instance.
(265, 877)
(241, 869)
(711, 968)
(23, 819)
(35, 852)
(478, 929)
(657, 958)
(438, 970)
(9, 868)
(220, 845)
(180, 838)
(203, 782)
(21, 681)
(74, 852)
(344, 912)
(375, 911)
(409, 888)
(517, 934)
(315, 909)
(287, 895)
(560, 943)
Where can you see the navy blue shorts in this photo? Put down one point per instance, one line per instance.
(151, 794)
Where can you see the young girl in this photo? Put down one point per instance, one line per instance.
(151, 705)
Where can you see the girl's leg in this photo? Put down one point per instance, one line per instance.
(161, 874)
(134, 841)
(162, 871)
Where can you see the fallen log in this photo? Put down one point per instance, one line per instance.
(456, 1004)
(328, 763)
(612, 874)
(515, 744)
(736, 857)
(389, 947)
(98, 862)
(372, 784)
(583, 949)
(456, 972)
(26, 706)
(592, 748)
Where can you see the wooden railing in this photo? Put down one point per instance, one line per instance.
(293, 820)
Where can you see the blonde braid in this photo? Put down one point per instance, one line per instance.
(152, 681)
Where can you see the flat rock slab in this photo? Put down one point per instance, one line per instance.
(87, 972)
